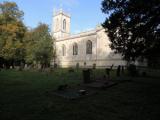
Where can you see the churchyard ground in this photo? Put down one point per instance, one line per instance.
(24, 96)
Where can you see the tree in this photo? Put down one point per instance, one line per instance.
(39, 46)
(133, 27)
(12, 32)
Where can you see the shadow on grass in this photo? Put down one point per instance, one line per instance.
(23, 96)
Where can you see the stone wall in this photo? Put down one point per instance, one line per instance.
(102, 55)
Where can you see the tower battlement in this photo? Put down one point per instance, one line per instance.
(58, 12)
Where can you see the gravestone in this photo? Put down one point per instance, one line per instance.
(55, 65)
(122, 69)
(94, 66)
(77, 66)
(86, 75)
(108, 70)
(118, 70)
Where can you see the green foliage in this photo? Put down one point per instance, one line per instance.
(17, 44)
(12, 31)
(10, 12)
(133, 27)
(39, 45)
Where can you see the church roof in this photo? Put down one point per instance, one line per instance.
(83, 34)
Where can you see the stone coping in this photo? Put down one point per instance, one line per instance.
(82, 34)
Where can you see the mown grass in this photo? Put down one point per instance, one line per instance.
(23, 96)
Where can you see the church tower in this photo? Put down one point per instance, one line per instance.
(60, 24)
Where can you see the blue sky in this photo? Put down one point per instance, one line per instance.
(85, 14)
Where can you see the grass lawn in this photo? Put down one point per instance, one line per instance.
(23, 96)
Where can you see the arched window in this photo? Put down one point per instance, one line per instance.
(64, 24)
(89, 47)
(75, 49)
(63, 50)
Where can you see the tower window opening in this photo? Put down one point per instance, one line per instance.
(64, 24)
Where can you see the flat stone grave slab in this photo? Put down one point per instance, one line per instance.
(83, 89)
(71, 93)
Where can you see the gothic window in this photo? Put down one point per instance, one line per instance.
(63, 50)
(75, 49)
(64, 24)
(89, 47)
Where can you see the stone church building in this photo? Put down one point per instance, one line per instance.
(85, 49)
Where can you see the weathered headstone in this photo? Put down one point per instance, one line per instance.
(77, 66)
(94, 66)
(122, 69)
(118, 70)
(108, 70)
(86, 75)
(55, 65)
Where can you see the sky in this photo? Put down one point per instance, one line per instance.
(85, 14)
